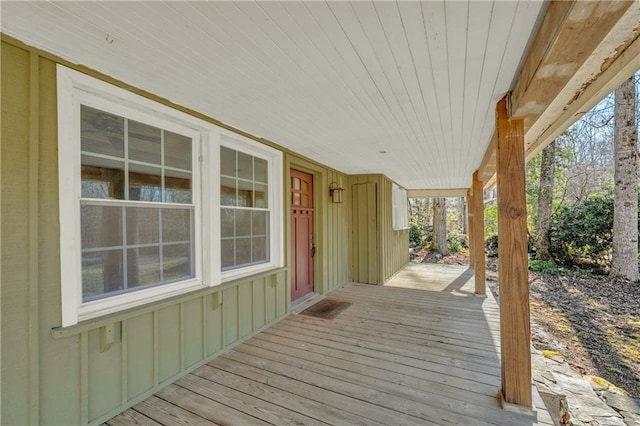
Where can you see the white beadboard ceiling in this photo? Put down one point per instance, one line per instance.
(407, 89)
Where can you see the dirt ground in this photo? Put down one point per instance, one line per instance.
(593, 321)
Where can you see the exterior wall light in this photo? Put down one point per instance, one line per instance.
(335, 192)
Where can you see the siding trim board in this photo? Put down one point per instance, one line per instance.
(80, 374)
(34, 259)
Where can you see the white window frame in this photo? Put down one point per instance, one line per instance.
(75, 89)
(275, 202)
(400, 208)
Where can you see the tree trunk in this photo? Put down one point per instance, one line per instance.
(545, 197)
(464, 215)
(625, 205)
(440, 225)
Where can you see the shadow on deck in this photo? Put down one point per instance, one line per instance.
(420, 350)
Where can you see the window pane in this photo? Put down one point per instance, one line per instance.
(102, 178)
(243, 251)
(101, 273)
(101, 226)
(176, 262)
(143, 226)
(228, 253)
(227, 162)
(176, 225)
(101, 132)
(259, 220)
(177, 151)
(260, 250)
(144, 143)
(177, 187)
(260, 170)
(228, 192)
(245, 229)
(245, 193)
(227, 222)
(144, 183)
(245, 166)
(261, 196)
(243, 223)
(143, 266)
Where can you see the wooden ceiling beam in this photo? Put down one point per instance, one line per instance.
(575, 45)
(429, 193)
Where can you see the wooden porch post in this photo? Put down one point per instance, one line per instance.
(512, 254)
(476, 234)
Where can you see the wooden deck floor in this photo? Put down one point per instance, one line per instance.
(420, 350)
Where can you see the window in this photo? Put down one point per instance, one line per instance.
(136, 205)
(250, 207)
(400, 210)
(154, 202)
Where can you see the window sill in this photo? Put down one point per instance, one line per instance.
(240, 273)
(60, 332)
(113, 304)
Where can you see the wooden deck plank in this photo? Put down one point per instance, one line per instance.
(375, 389)
(418, 351)
(206, 408)
(378, 339)
(359, 351)
(393, 339)
(449, 356)
(244, 402)
(325, 406)
(345, 367)
(168, 414)
(332, 392)
(131, 417)
(252, 382)
(460, 325)
(447, 404)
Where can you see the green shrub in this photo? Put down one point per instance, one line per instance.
(543, 266)
(583, 232)
(456, 241)
(416, 236)
(491, 246)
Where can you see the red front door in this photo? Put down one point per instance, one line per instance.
(302, 247)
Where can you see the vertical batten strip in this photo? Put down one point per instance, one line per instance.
(512, 251)
(181, 329)
(156, 349)
(124, 382)
(34, 277)
(203, 318)
(84, 378)
(264, 301)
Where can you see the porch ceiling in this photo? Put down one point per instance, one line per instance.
(339, 82)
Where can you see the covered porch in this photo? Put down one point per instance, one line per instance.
(422, 349)
(382, 100)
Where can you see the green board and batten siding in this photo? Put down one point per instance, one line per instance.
(331, 228)
(73, 375)
(377, 256)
